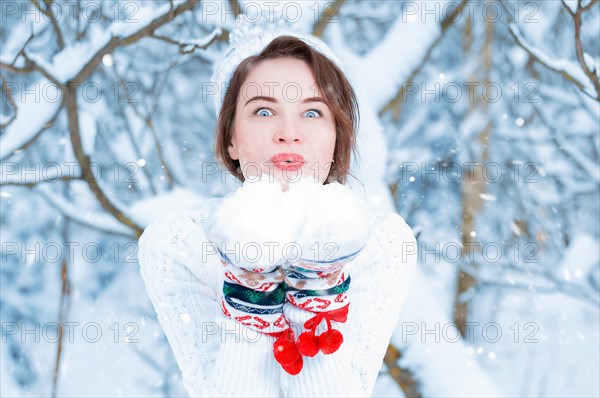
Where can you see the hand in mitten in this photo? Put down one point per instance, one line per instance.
(334, 233)
(250, 230)
(253, 223)
(335, 226)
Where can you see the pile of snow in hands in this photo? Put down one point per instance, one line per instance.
(259, 224)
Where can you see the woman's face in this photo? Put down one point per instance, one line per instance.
(282, 126)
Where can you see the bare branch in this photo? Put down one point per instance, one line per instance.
(85, 163)
(330, 11)
(546, 61)
(567, 8)
(395, 104)
(134, 144)
(51, 199)
(11, 67)
(149, 123)
(63, 307)
(31, 63)
(190, 47)
(8, 92)
(235, 6)
(404, 377)
(50, 15)
(586, 165)
(558, 66)
(592, 75)
(45, 127)
(14, 69)
(73, 111)
(45, 181)
(118, 41)
(586, 8)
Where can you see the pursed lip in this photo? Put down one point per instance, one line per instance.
(287, 157)
(288, 161)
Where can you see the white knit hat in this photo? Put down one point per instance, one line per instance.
(250, 38)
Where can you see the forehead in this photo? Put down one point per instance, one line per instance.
(280, 77)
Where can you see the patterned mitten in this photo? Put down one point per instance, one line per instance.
(250, 230)
(335, 232)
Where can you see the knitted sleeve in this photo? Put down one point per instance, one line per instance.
(380, 285)
(182, 284)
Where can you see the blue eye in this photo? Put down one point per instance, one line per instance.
(263, 112)
(318, 112)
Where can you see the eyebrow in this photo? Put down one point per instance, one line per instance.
(273, 100)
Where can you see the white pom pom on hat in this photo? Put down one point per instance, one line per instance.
(250, 37)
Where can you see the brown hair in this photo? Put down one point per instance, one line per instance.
(332, 83)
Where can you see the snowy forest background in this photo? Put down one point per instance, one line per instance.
(479, 125)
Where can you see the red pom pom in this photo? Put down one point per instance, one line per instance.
(307, 344)
(330, 341)
(294, 368)
(285, 351)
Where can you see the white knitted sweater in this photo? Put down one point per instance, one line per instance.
(184, 286)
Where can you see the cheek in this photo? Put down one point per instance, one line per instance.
(249, 145)
(326, 146)
(330, 140)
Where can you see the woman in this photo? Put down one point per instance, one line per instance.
(288, 111)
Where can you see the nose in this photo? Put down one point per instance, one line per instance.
(288, 131)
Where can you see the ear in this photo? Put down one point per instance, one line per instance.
(232, 147)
